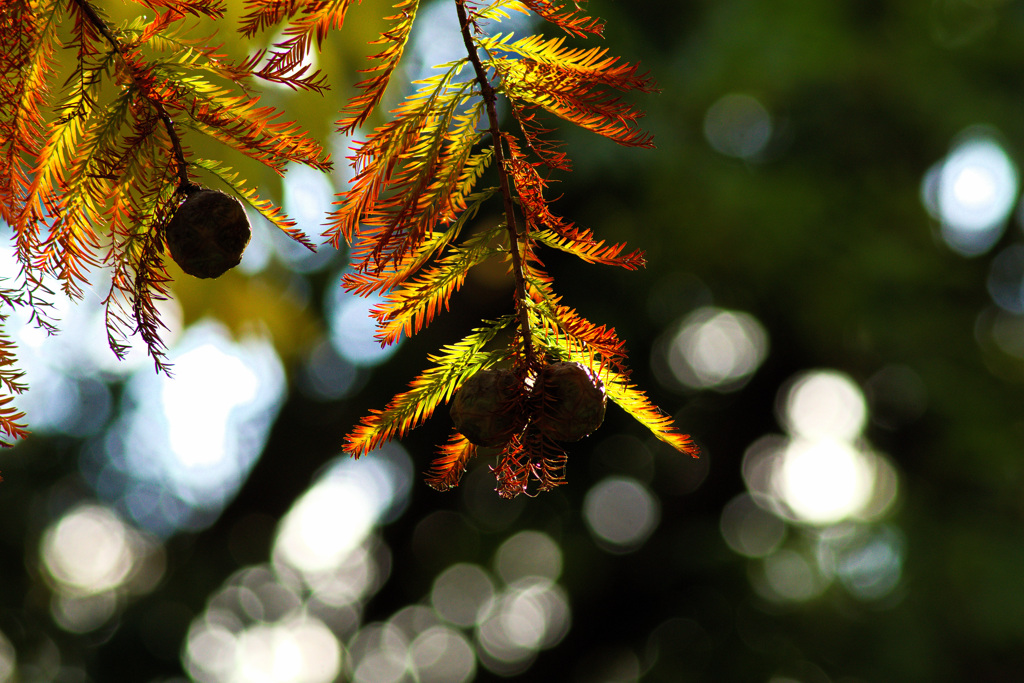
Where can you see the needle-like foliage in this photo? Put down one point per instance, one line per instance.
(93, 166)
(414, 191)
(94, 169)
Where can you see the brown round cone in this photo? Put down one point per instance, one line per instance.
(208, 233)
(485, 409)
(574, 401)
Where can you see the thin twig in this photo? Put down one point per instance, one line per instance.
(487, 91)
(184, 182)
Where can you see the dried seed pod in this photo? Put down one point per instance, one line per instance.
(574, 401)
(208, 233)
(486, 408)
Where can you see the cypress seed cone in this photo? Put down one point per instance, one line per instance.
(573, 401)
(208, 233)
(486, 408)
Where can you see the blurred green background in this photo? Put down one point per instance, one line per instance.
(833, 307)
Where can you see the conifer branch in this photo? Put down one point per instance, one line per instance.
(184, 182)
(101, 181)
(490, 98)
(413, 192)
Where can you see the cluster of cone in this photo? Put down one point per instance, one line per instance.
(566, 402)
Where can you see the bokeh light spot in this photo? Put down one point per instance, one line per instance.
(759, 463)
(352, 328)
(93, 559)
(327, 376)
(8, 659)
(460, 593)
(1006, 279)
(738, 125)
(88, 550)
(823, 471)
(442, 655)
(300, 650)
(379, 654)
(201, 418)
(324, 526)
(259, 629)
(789, 576)
(308, 194)
(334, 517)
(1003, 330)
(528, 553)
(870, 568)
(530, 615)
(749, 529)
(972, 191)
(182, 446)
(825, 481)
(209, 652)
(621, 513)
(82, 613)
(824, 404)
(717, 349)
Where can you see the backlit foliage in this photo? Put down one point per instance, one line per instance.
(417, 186)
(95, 162)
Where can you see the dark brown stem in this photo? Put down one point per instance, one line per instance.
(184, 183)
(487, 91)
